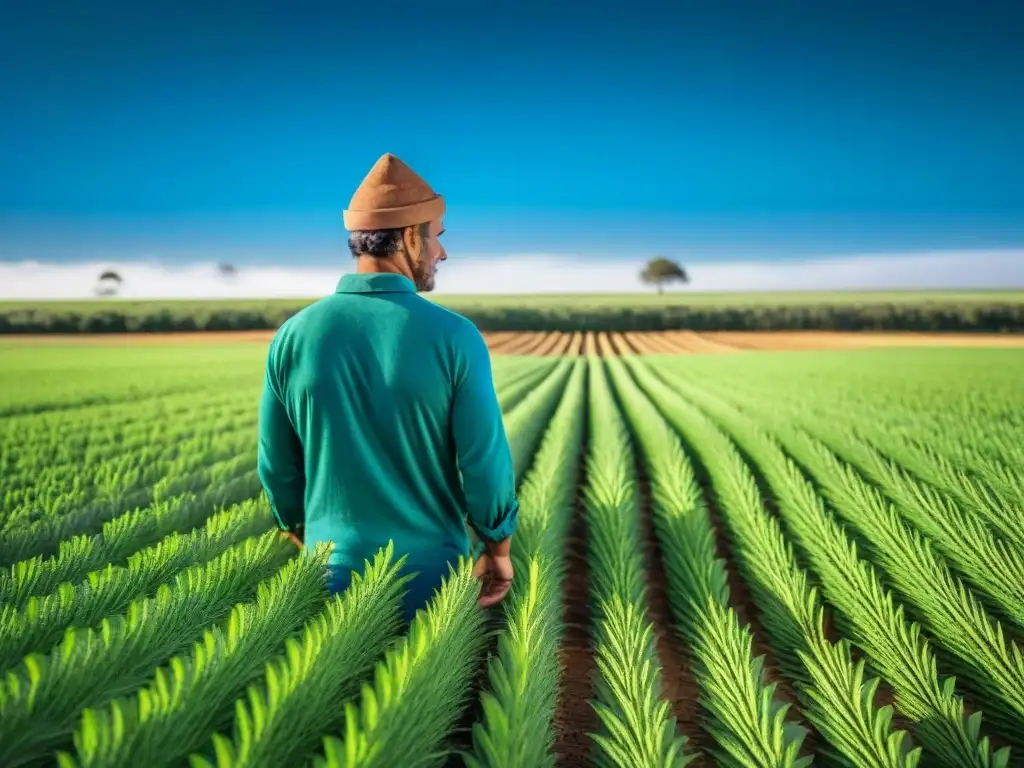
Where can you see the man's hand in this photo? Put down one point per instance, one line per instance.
(295, 539)
(494, 569)
(495, 574)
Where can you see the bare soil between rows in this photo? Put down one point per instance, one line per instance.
(826, 340)
(678, 685)
(575, 717)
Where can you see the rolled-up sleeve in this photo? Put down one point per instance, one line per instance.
(484, 456)
(279, 457)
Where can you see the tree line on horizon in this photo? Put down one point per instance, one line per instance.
(110, 281)
(658, 272)
(947, 315)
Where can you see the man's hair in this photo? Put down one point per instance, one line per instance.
(380, 243)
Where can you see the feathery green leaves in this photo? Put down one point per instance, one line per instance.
(421, 686)
(518, 707)
(281, 720)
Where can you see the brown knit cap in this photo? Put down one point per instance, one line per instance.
(392, 196)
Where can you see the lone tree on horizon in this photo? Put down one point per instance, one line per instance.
(109, 283)
(659, 271)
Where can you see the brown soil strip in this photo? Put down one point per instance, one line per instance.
(590, 346)
(564, 343)
(497, 343)
(824, 340)
(680, 341)
(636, 343)
(658, 342)
(615, 344)
(642, 343)
(535, 344)
(575, 717)
(566, 347)
(678, 685)
(701, 343)
(513, 343)
(520, 344)
(575, 348)
(670, 342)
(540, 342)
(619, 344)
(663, 344)
(610, 345)
(550, 344)
(560, 344)
(603, 344)
(688, 342)
(737, 341)
(497, 338)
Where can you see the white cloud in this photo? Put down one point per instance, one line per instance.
(537, 273)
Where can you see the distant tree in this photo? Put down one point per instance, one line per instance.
(109, 283)
(227, 270)
(660, 271)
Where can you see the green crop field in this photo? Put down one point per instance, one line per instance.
(758, 560)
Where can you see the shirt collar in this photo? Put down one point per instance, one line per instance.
(375, 282)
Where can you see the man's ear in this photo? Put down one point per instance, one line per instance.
(412, 240)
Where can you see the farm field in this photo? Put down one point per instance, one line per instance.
(802, 558)
(604, 344)
(716, 343)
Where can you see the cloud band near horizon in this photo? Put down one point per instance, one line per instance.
(527, 274)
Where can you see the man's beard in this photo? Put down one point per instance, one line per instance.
(424, 278)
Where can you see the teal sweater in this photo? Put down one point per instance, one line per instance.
(379, 421)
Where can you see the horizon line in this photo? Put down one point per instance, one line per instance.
(529, 275)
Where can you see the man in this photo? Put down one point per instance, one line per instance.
(379, 420)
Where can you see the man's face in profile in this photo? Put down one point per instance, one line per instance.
(425, 252)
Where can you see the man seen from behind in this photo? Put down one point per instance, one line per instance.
(379, 420)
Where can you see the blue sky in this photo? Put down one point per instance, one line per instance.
(716, 131)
